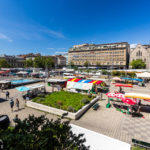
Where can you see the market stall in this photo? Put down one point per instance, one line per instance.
(81, 85)
(4, 84)
(57, 83)
(31, 91)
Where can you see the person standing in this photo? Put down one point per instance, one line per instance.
(17, 103)
(11, 104)
(7, 95)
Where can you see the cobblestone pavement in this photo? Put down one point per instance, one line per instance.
(107, 121)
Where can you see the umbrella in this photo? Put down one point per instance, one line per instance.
(128, 101)
(138, 95)
(124, 85)
(117, 79)
(118, 95)
(22, 88)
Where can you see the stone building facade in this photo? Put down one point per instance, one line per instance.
(111, 55)
(13, 61)
(141, 52)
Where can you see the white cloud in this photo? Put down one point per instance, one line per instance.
(61, 48)
(50, 48)
(53, 33)
(5, 37)
(133, 45)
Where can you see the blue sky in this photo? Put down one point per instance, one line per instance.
(52, 26)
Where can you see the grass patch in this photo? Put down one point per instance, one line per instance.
(138, 148)
(64, 100)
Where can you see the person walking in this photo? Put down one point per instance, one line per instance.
(7, 95)
(17, 103)
(11, 104)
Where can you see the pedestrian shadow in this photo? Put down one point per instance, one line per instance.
(19, 110)
(2, 100)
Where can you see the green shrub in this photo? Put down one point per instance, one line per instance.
(85, 101)
(71, 109)
(89, 95)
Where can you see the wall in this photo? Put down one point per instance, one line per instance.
(59, 111)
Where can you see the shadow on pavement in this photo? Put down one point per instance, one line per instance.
(19, 110)
(2, 100)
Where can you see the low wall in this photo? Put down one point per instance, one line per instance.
(59, 111)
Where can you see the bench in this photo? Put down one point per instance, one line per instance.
(141, 143)
(95, 106)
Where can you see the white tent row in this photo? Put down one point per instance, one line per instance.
(31, 87)
(22, 72)
(143, 75)
(55, 80)
(81, 86)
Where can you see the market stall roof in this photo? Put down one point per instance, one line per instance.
(56, 80)
(35, 86)
(4, 72)
(138, 95)
(4, 81)
(124, 85)
(143, 75)
(22, 88)
(133, 79)
(22, 72)
(86, 81)
(79, 85)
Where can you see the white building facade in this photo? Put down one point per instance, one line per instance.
(141, 52)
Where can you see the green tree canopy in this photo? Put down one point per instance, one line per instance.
(86, 64)
(38, 62)
(138, 64)
(48, 62)
(4, 64)
(28, 63)
(98, 64)
(71, 64)
(43, 62)
(40, 133)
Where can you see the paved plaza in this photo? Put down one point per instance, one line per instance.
(107, 121)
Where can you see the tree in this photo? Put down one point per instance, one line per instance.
(38, 63)
(98, 64)
(138, 64)
(48, 63)
(4, 63)
(104, 72)
(86, 64)
(28, 63)
(40, 133)
(71, 64)
(43, 62)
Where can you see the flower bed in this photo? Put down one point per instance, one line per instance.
(71, 102)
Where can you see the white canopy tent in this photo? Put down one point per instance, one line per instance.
(22, 72)
(80, 86)
(143, 75)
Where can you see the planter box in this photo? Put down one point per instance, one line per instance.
(59, 112)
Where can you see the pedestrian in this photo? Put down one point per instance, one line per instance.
(16, 118)
(11, 104)
(17, 103)
(7, 95)
(27, 98)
